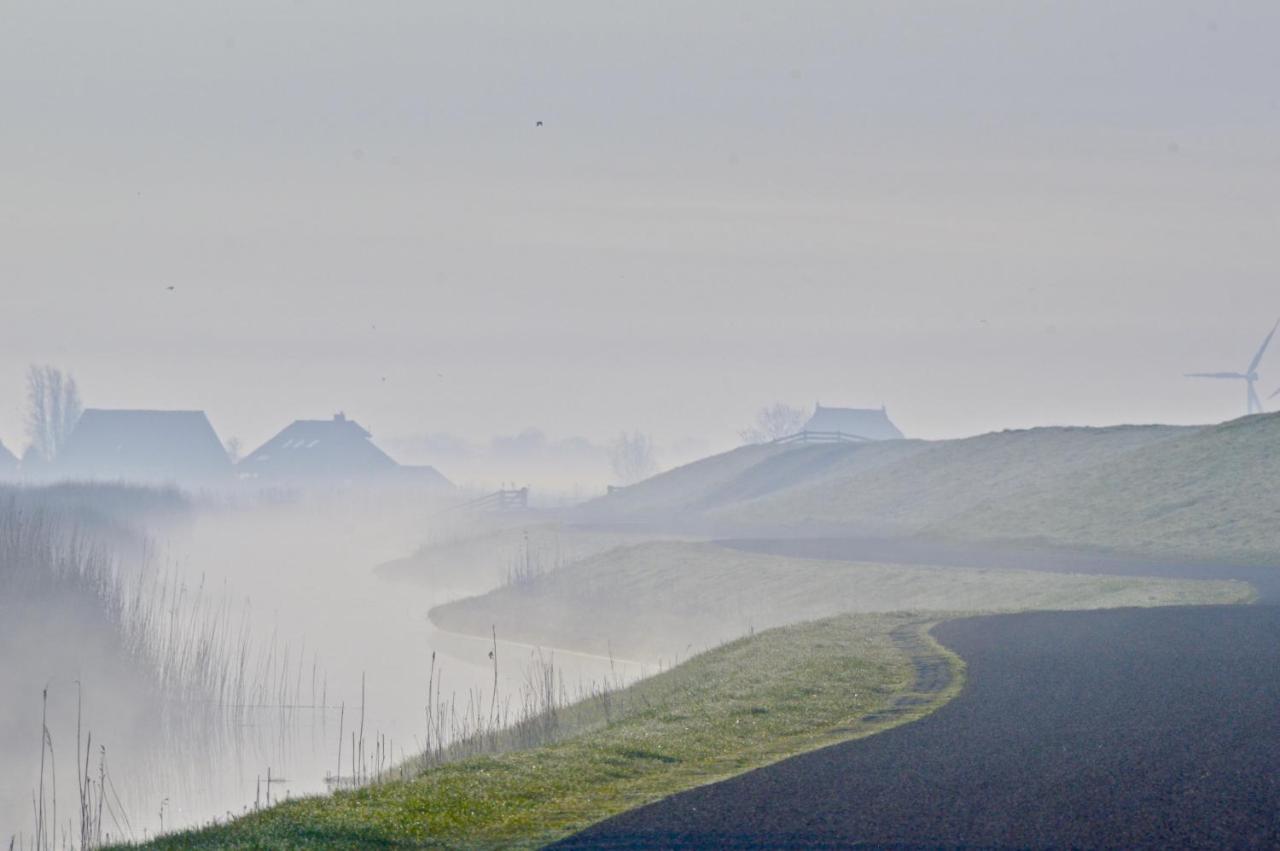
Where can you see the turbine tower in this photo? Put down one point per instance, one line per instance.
(1253, 405)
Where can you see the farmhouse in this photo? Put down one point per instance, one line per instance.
(868, 423)
(144, 447)
(336, 450)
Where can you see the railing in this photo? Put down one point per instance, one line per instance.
(503, 500)
(821, 437)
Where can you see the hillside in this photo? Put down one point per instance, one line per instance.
(675, 493)
(1209, 493)
(1195, 492)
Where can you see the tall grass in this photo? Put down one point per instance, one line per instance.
(202, 674)
(194, 647)
(183, 657)
(531, 560)
(546, 708)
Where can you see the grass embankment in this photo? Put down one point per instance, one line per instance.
(740, 706)
(1187, 492)
(668, 599)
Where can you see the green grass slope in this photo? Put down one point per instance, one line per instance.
(943, 480)
(738, 707)
(1209, 493)
(1163, 490)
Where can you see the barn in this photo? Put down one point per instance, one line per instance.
(336, 450)
(143, 446)
(866, 423)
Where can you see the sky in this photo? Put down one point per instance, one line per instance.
(983, 215)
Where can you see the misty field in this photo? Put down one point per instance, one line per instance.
(478, 559)
(669, 599)
(742, 705)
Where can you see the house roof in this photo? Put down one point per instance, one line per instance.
(141, 445)
(8, 461)
(337, 448)
(871, 423)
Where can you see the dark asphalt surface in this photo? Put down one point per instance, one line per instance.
(1122, 729)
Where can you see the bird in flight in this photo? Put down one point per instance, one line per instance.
(169, 288)
(539, 124)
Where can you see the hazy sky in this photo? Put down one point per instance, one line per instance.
(982, 214)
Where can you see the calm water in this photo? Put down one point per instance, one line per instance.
(306, 577)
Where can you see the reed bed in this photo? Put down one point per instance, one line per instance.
(546, 708)
(188, 656)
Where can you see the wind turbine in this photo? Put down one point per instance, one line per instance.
(1253, 404)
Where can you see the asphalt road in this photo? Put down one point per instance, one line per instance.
(1122, 728)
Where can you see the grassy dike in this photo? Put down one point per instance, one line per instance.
(737, 707)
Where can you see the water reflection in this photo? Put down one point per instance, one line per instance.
(360, 709)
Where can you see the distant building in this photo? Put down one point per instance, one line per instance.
(869, 423)
(143, 446)
(337, 450)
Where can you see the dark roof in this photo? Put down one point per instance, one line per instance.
(8, 461)
(337, 448)
(423, 474)
(871, 423)
(145, 446)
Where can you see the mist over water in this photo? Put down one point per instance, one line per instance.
(300, 578)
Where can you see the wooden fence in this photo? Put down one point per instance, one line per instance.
(503, 500)
(821, 437)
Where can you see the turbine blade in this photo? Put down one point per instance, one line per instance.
(1215, 375)
(1275, 394)
(1257, 359)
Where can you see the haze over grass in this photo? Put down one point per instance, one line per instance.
(1197, 492)
(668, 599)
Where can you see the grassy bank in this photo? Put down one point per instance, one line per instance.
(668, 599)
(1188, 492)
(740, 706)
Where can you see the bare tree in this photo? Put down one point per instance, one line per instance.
(234, 449)
(53, 409)
(774, 421)
(632, 457)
